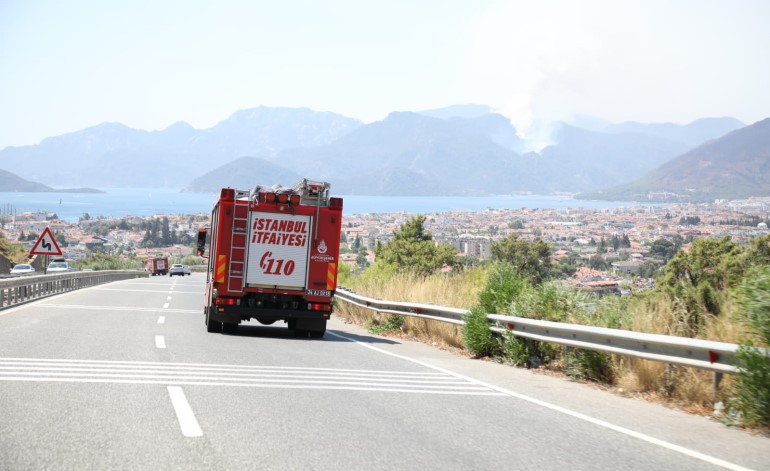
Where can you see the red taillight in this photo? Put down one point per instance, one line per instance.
(294, 199)
(228, 194)
(227, 301)
(270, 197)
(318, 307)
(283, 198)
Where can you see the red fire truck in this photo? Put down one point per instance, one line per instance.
(272, 255)
(156, 265)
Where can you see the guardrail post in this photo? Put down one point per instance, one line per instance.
(715, 386)
(669, 378)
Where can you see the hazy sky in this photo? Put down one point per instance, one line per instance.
(68, 65)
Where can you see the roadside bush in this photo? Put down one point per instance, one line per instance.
(100, 261)
(589, 365)
(752, 397)
(752, 386)
(503, 285)
(478, 340)
(392, 322)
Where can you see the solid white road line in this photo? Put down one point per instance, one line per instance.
(601, 423)
(162, 320)
(160, 342)
(184, 413)
(114, 308)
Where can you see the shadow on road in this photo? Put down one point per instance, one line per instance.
(281, 332)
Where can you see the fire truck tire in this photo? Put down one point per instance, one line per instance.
(213, 326)
(317, 334)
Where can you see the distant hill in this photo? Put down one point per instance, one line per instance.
(244, 173)
(734, 166)
(10, 182)
(585, 160)
(446, 157)
(692, 134)
(114, 155)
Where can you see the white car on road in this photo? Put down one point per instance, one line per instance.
(22, 269)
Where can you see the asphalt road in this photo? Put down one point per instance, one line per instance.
(125, 376)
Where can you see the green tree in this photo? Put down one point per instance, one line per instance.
(626, 242)
(414, 250)
(529, 259)
(165, 232)
(717, 262)
(648, 269)
(60, 239)
(597, 262)
(602, 248)
(698, 280)
(663, 248)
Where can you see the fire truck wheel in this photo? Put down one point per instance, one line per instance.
(212, 325)
(317, 334)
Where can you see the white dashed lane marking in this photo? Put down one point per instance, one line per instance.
(184, 413)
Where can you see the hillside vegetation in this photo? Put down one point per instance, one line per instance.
(715, 291)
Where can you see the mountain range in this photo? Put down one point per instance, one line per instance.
(459, 150)
(733, 167)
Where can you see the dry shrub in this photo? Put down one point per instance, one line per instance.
(692, 387)
(435, 332)
(687, 387)
(637, 375)
(459, 290)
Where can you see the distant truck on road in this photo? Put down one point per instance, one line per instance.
(156, 265)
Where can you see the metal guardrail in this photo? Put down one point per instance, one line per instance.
(26, 288)
(718, 357)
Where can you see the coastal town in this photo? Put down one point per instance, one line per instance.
(610, 248)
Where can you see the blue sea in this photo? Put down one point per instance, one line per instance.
(119, 202)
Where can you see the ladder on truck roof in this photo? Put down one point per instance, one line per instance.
(239, 242)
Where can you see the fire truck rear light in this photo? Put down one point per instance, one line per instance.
(335, 203)
(283, 198)
(270, 197)
(228, 194)
(228, 301)
(294, 199)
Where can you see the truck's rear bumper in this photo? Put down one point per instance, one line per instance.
(235, 314)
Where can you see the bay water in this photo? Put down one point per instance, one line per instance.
(144, 202)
